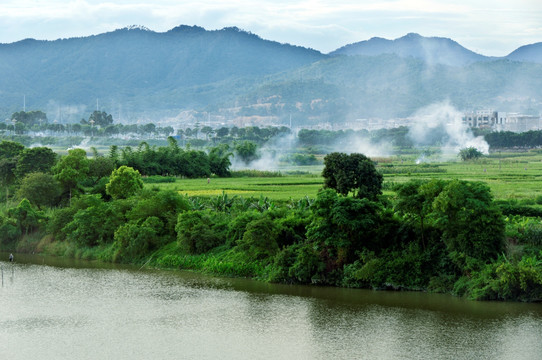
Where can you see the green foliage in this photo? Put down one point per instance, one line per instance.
(163, 205)
(71, 169)
(301, 159)
(343, 225)
(29, 118)
(95, 222)
(133, 241)
(259, 240)
(10, 232)
(156, 179)
(472, 225)
(247, 151)
(219, 160)
(100, 118)
(505, 280)
(10, 149)
(354, 172)
(26, 217)
(38, 159)
(201, 230)
(100, 167)
(40, 189)
(124, 182)
(470, 153)
(255, 173)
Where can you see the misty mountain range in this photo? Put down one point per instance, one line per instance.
(230, 74)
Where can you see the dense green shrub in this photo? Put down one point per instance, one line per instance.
(200, 231)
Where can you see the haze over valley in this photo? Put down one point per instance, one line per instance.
(233, 77)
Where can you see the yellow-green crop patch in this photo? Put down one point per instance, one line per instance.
(276, 188)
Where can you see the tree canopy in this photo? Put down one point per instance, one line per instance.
(352, 173)
(124, 182)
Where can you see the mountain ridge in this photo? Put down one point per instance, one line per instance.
(235, 73)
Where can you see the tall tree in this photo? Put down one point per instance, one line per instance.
(72, 169)
(124, 182)
(38, 159)
(100, 118)
(40, 189)
(356, 172)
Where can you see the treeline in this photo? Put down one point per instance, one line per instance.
(446, 236)
(398, 137)
(41, 176)
(508, 139)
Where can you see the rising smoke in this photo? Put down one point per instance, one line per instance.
(444, 117)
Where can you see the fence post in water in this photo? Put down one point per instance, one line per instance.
(2, 267)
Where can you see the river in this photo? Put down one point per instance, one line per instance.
(54, 308)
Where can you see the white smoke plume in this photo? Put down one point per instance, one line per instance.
(445, 117)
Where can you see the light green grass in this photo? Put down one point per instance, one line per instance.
(276, 188)
(510, 176)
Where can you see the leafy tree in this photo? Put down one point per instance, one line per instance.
(40, 189)
(415, 198)
(470, 153)
(247, 151)
(9, 152)
(472, 224)
(148, 128)
(355, 172)
(200, 231)
(260, 239)
(222, 132)
(343, 225)
(26, 217)
(100, 118)
(132, 241)
(164, 205)
(219, 160)
(207, 130)
(29, 118)
(96, 220)
(124, 182)
(10, 149)
(71, 169)
(100, 167)
(38, 159)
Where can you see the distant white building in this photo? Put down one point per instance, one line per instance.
(483, 119)
(501, 121)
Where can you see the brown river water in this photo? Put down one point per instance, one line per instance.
(53, 308)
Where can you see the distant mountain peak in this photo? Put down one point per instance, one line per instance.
(136, 27)
(187, 29)
(432, 50)
(530, 53)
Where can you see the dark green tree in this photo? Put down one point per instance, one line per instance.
(38, 159)
(247, 151)
(472, 224)
(71, 169)
(352, 173)
(100, 118)
(219, 160)
(9, 152)
(469, 153)
(40, 189)
(124, 182)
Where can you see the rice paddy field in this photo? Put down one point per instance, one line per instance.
(509, 175)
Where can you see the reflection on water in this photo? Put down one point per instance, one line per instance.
(82, 310)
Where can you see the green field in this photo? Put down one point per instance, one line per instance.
(277, 188)
(510, 176)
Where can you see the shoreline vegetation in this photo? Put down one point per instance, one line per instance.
(470, 228)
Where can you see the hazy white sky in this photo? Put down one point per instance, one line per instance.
(489, 27)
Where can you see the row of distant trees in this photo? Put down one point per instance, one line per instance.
(44, 178)
(100, 123)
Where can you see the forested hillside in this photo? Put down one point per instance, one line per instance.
(137, 74)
